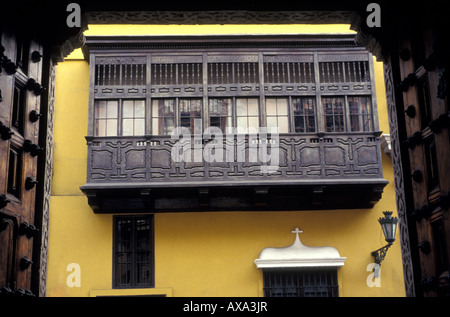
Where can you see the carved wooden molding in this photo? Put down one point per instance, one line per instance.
(217, 17)
(398, 183)
(61, 50)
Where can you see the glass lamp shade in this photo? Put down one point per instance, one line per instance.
(389, 226)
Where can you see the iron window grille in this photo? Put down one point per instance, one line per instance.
(133, 252)
(301, 283)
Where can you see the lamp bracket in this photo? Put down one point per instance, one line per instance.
(380, 254)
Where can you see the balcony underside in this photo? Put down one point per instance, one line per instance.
(252, 196)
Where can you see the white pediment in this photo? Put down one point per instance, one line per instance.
(299, 255)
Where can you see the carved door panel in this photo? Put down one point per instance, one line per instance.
(427, 142)
(20, 88)
(6, 255)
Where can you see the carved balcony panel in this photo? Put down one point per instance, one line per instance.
(313, 171)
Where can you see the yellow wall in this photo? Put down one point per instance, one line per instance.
(199, 254)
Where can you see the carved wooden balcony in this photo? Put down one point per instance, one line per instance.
(316, 171)
(311, 87)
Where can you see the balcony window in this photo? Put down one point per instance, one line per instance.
(304, 109)
(119, 117)
(247, 114)
(106, 117)
(190, 110)
(360, 113)
(277, 114)
(220, 113)
(333, 109)
(163, 116)
(133, 117)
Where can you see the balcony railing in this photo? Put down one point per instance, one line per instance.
(300, 171)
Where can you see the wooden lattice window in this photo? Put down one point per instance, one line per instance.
(124, 71)
(341, 72)
(289, 69)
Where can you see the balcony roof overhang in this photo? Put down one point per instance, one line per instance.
(234, 195)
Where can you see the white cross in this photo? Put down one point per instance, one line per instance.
(297, 231)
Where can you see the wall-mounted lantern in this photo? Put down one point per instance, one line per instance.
(389, 226)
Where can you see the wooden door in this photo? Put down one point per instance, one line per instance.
(20, 80)
(428, 146)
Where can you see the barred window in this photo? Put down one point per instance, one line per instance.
(301, 283)
(133, 251)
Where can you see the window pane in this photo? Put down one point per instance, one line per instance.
(282, 107)
(128, 109)
(155, 126)
(168, 124)
(163, 117)
(220, 113)
(127, 127)
(277, 115)
(139, 109)
(271, 107)
(242, 124)
(106, 117)
(111, 111)
(139, 127)
(272, 122)
(299, 122)
(360, 113)
(253, 122)
(333, 108)
(253, 107)
(190, 110)
(283, 124)
(100, 127)
(220, 107)
(111, 127)
(100, 109)
(247, 114)
(167, 107)
(304, 114)
(241, 107)
(133, 111)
